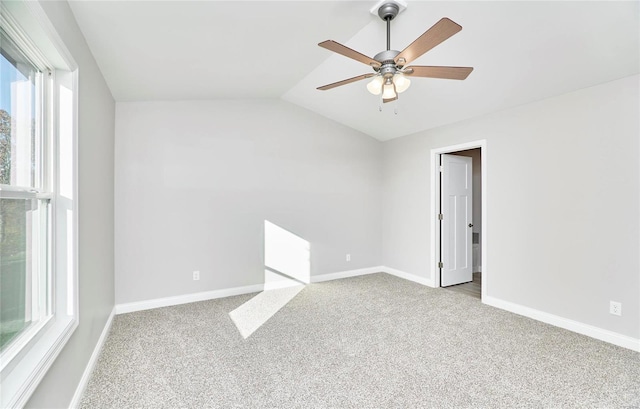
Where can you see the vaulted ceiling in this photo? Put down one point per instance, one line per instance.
(521, 52)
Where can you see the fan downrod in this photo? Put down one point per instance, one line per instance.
(387, 12)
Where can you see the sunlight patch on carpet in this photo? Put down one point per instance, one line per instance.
(254, 313)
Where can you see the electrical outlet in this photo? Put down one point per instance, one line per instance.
(196, 275)
(615, 308)
(348, 257)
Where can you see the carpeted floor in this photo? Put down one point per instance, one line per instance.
(373, 341)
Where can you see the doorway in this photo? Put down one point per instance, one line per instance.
(458, 211)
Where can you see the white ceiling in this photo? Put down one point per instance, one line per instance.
(521, 52)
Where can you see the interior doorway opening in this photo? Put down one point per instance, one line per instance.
(470, 287)
(458, 212)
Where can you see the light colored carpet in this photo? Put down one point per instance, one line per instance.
(373, 341)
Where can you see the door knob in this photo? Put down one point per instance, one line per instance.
(470, 224)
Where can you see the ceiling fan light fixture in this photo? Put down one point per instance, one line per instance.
(401, 82)
(391, 68)
(388, 91)
(375, 85)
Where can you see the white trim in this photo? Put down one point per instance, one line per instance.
(24, 379)
(575, 326)
(346, 274)
(372, 270)
(20, 345)
(62, 58)
(22, 41)
(33, 361)
(229, 292)
(408, 276)
(86, 375)
(433, 214)
(278, 285)
(186, 298)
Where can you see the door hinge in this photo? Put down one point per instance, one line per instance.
(440, 216)
(441, 168)
(440, 264)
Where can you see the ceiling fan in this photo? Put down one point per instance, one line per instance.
(390, 66)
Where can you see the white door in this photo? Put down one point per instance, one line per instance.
(456, 208)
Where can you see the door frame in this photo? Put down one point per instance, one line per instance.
(435, 196)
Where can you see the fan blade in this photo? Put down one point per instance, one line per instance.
(450, 73)
(344, 82)
(439, 32)
(348, 52)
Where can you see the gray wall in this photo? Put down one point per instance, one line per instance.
(96, 124)
(562, 203)
(194, 182)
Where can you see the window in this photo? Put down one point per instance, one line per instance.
(38, 250)
(25, 200)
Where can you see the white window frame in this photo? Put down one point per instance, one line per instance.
(40, 188)
(22, 370)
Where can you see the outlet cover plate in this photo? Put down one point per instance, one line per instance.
(615, 308)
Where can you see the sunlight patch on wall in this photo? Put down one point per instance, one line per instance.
(286, 253)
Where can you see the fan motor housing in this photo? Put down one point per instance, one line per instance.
(388, 66)
(386, 56)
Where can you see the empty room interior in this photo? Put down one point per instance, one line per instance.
(320, 204)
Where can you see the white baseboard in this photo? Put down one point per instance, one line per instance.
(346, 274)
(594, 332)
(575, 326)
(407, 276)
(186, 298)
(229, 292)
(88, 370)
(278, 285)
(372, 270)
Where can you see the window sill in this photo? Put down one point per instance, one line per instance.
(22, 380)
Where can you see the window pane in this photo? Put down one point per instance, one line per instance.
(23, 265)
(18, 139)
